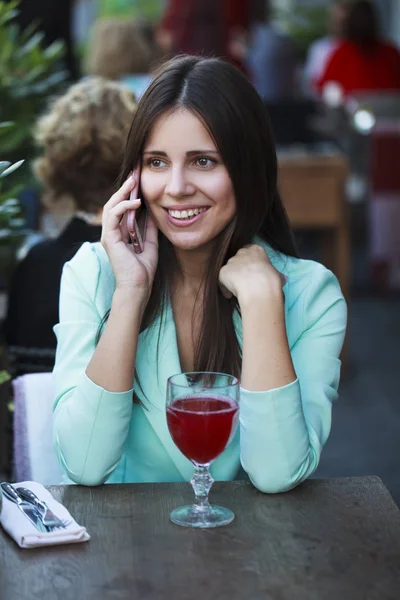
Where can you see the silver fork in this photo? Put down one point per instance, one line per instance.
(49, 519)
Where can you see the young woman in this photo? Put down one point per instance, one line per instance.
(218, 288)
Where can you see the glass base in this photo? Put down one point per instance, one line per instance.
(201, 518)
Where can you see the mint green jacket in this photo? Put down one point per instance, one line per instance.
(103, 436)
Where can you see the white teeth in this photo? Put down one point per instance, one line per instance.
(186, 214)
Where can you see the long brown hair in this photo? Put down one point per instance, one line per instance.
(234, 114)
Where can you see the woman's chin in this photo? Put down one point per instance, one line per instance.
(188, 241)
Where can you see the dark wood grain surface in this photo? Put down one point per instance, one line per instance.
(332, 539)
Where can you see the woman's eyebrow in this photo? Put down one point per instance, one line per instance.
(193, 152)
(159, 152)
(189, 153)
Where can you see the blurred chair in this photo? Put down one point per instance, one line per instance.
(374, 146)
(384, 206)
(34, 455)
(5, 428)
(292, 121)
(29, 360)
(312, 187)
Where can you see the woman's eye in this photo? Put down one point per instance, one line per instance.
(156, 163)
(205, 162)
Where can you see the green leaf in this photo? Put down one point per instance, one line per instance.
(35, 73)
(17, 222)
(4, 376)
(5, 18)
(29, 30)
(55, 50)
(10, 195)
(29, 72)
(4, 164)
(11, 169)
(10, 203)
(13, 32)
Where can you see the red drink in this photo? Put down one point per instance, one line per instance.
(201, 426)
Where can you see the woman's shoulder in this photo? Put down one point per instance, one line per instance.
(291, 265)
(91, 257)
(304, 277)
(92, 269)
(308, 275)
(313, 292)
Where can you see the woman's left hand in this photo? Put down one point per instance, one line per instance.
(249, 275)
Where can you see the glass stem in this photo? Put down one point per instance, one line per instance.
(201, 483)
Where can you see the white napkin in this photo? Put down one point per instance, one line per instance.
(25, 533)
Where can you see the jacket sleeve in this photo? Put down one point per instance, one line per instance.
(90, 424)
(283, 430)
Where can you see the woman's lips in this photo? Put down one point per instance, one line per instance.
(185, 222)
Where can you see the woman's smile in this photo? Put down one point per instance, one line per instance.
(185, 216)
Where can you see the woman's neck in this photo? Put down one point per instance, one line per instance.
(193, 265)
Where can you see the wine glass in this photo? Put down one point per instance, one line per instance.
(202, 417)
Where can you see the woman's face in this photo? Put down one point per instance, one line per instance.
(184, 181)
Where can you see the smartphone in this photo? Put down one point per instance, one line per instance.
(133, 225)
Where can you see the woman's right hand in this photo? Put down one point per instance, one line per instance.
(132, 271)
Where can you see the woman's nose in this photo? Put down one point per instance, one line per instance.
(179, 184)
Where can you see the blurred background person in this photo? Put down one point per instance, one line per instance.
(124, 51)
(83, 139)
(363, 61)
(321, 49)
(203, 26)
(270, 56)
(55, 21)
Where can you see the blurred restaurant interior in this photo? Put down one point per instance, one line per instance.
(339, 176)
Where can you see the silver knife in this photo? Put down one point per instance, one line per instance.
(27, 509)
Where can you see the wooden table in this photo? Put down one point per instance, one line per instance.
(312, 190)
(333, 539)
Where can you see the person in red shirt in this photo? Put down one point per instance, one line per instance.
(362, 62)
(202, 26)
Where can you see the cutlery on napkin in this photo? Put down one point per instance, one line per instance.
(24, 532)
(29, 511)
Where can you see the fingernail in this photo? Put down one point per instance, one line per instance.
(129, 176)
